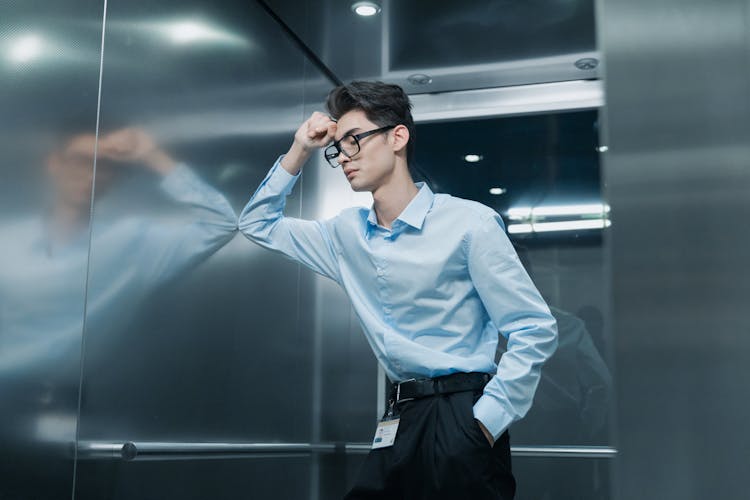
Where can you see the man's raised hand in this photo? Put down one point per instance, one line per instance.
(316, 132)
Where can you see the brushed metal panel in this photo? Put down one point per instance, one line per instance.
(196, 479)
(49, 76)
(194, 335)
(678, 175)
(562, 478)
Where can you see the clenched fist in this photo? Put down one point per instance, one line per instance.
(316, 132)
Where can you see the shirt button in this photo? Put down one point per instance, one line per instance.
(380, 272)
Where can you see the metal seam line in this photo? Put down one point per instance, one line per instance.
(301, 45)
(88, 257)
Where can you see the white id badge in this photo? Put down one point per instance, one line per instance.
(385, 434)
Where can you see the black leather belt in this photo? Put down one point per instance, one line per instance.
(408, 390)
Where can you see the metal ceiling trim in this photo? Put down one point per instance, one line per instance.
(508, 101)
(567, 60)
(552, 69)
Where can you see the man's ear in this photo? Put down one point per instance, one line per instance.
(400, 138)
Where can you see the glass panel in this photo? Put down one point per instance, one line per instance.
(49, 75)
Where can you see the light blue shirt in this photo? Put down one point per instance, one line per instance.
(431, 293)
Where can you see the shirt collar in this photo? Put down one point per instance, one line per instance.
(414, 213)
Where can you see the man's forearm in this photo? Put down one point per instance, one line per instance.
(295, 159)
(312, 135)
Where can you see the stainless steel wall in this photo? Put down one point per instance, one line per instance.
(49, 74)
(195, 339)
(678, 176)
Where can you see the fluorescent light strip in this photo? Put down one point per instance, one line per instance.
(570, 225)
(517, 213)
(593, 209)
(520, 228)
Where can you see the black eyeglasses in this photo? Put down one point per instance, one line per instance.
(349, 145)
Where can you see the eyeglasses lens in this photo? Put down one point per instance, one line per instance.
(347, 145)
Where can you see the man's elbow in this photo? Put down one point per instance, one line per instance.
(257, 230)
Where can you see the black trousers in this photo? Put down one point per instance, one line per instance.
(439, 453)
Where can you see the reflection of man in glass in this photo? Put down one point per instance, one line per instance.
(71, 170)
(574, 391)
(128, 251)
(433, 280)
(48, 260)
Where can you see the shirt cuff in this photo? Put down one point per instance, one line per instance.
(492, 415)
(279, 180)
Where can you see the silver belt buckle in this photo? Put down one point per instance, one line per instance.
(398, 390)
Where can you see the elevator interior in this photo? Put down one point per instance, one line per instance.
(148, 352)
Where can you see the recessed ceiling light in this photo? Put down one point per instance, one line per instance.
(366, 9)
(473, 158)
(419, 79)
(498, 190)
(587, 63)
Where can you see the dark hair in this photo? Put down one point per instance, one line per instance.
(383, 104)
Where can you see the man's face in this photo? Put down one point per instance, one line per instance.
(375, 162)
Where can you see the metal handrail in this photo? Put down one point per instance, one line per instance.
(165, 450)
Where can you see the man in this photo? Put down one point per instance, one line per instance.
(433, 279)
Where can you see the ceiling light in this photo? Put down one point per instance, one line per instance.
(571, 225)
(587, 63)
(25, 49)
(591, 209)
(365, 9)
(520, 228)
(498, 190)
(473, 158)
(419, 79)
(602, 149)
(568, 225)
(518, 213)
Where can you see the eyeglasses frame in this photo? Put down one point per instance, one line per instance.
(357, 138)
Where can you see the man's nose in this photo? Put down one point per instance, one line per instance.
(342, 158)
